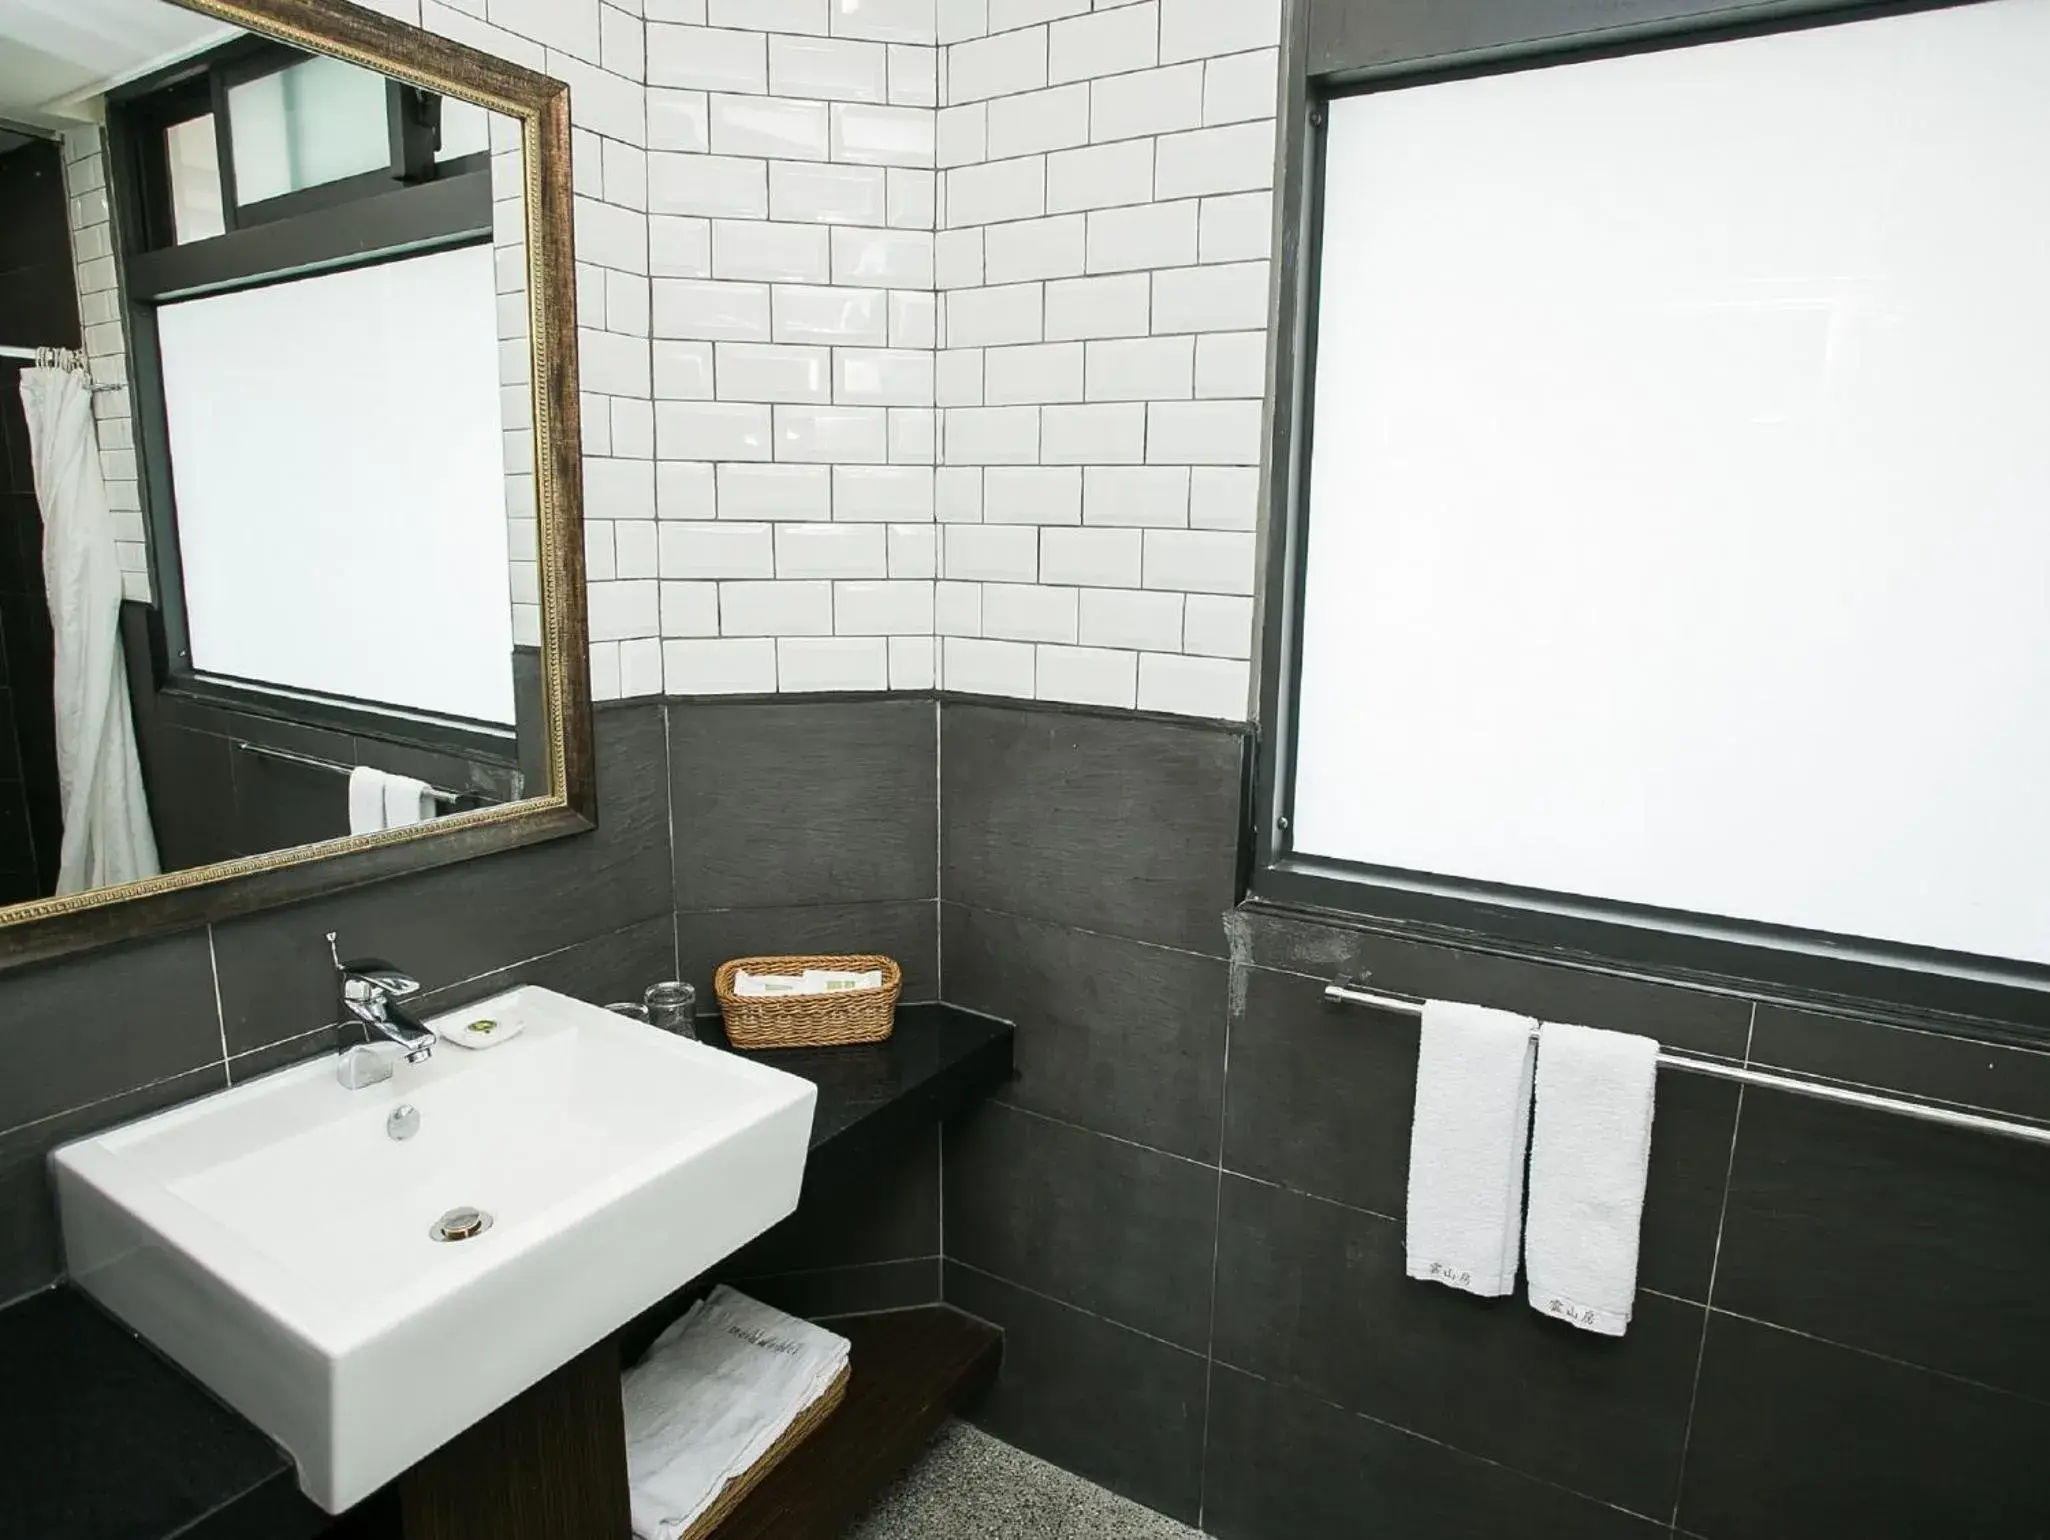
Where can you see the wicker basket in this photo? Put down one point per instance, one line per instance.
(807, 1423)
(809, 1021)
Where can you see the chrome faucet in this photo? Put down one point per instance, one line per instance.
(370, 989)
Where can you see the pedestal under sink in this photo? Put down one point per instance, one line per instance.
(336, 1285)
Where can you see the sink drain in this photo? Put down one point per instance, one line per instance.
(459, 1224)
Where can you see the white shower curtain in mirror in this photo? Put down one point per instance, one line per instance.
(107, 834)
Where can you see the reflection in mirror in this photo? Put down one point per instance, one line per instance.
(267, 528)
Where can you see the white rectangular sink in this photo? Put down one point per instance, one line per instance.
(274, 1239)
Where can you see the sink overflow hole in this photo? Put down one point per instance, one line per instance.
(459, 1224)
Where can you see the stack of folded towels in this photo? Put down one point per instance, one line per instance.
(715, 1391)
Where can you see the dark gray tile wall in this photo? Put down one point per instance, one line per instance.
(866, 1236)
(813, 826)
(1096, 823)
(1187, 1211)
(810, 826)
(848, 862)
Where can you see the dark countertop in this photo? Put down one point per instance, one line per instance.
(101, 1439)
(938, 1058)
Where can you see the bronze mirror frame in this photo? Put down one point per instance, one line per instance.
(48, 928)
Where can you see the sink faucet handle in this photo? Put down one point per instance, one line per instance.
(379, 975)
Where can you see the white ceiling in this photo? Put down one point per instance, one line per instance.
(57, 56)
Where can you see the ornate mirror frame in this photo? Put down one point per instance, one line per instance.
(53, 927)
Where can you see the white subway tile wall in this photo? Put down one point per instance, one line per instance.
(922, 342)
(1102, 258)
(792, 202)
(105, 326)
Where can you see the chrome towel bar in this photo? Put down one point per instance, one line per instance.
(334, 767)
(1342, 993)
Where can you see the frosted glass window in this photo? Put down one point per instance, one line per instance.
(1679, 501)
(465, 129)
(307, 124)
(337, 459)
(195, 166)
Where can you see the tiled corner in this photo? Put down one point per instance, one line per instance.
(792, 203)
(1114, 1405)
(104, 323)
(1105, 217)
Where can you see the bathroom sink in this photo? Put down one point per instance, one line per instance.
(274, 1239)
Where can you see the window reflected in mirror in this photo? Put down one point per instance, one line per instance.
(193, 164)
(312, 122)
(268, 557)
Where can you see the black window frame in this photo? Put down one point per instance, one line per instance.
(413, 206)
(1338, 48)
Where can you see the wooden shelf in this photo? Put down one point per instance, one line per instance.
(912, 1369)
(551, 1464)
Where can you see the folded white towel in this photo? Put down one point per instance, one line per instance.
(366, 800)
(407, 801)
(1467, 1140)
(715, 1391)
(1588, 1156)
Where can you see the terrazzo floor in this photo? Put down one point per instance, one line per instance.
(969, 1486)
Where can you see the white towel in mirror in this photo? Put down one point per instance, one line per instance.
(407, 801)
(366, 800)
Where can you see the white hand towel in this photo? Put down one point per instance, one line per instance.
(406, 801)
(366, 800)
(714, 1392)
(1467, 1140)
(1588, 1156)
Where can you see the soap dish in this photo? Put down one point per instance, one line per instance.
(809, 1021)
(482, 1030)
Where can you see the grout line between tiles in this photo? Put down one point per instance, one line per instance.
(1106, 935)
(213, 968)
(1426, 1438)
(1318, 1197)
(1219, 1165)
(1886, 1358)
(1216, 1251)
(1714, 1263)
(101, 1101)
(1082, 1128)
(669, 809)
(835, 1267)
(849, 1315)
(1068, 1304)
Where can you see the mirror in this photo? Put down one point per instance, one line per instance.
(288, 524)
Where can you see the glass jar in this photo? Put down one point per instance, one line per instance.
(673, 1006)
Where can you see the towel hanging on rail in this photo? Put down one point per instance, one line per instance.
(1467, 1137)
(1590, 1147)
(1340, 992)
